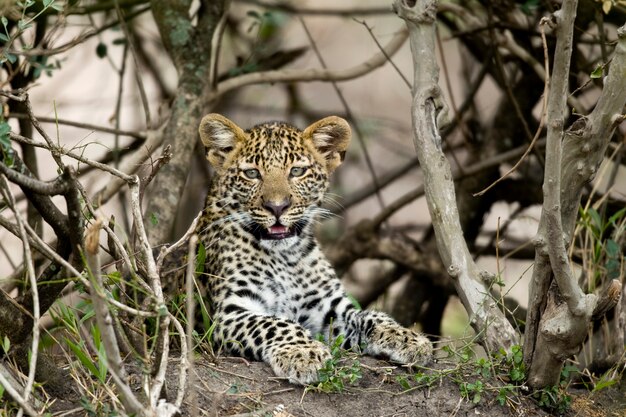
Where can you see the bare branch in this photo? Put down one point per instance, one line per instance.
(30, 269)
(140, 86)
(87, 126)
(105, 321)
(428, 107)
(351, 11)
(12, 391)
(552, 233)
(315, 74)
(556, 330)
(544, 102)
(60, 151)
(191, 304)
(130, 165)
(48, 188)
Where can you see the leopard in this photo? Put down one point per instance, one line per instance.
(271, 289)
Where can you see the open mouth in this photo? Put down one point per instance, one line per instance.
(277, 232)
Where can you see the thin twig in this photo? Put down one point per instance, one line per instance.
(47, 188)
(165, 157)
(216, 46)
(184, 364)
(133, 52)
(544, 107)
(28, 261)
(13, 393)
(104, 320)
(456, 176)
(42, 132)
(87, 126)
(131, 165)
(314, 74)
(54, 149)
(165, 252)
(288, 8)
(190, 301)
(38, 52)
(382, 50)
(357, 129)
(154, 280)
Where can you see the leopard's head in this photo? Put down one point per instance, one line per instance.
(273, 177)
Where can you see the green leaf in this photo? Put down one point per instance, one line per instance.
(120, 41)
(84, 359)
(101, 50)
(613, 219)
(5, 143)
(355, 302)
(200, 259)
(5, 22)
(476, 398)
(528, 5)
(23, 25)
(596, 73)
(102, 364)
(3, 37)
(57, 6)
(502, 397)
(596, 221)
(613, 268)
(47, 3)
(401, 379)
(516, 374)
(6, 345)
(162, 310)
(612, 248)
(153, 219)
(11, 57)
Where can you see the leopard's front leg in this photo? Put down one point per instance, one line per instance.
(285, 345)
(384, 336)
(376, 333)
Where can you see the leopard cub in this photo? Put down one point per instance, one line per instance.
(270, 286)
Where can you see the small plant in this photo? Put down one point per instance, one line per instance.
(425, 380)
(336, 374)
(553, 399)
(472, 390)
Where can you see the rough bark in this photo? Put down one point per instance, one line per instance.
(490, 324)
(190, 49)
(559, 312)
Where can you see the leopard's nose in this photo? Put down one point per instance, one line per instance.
(277, 208)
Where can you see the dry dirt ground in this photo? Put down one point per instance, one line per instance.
(233, 387)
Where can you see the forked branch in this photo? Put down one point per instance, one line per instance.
(428, 109)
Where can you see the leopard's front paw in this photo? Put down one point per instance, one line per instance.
(401, 345)
(301, 361)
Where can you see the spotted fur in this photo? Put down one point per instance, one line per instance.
(272, 290)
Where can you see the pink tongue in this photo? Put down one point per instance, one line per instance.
(278, 230)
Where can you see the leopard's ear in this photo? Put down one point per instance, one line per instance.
(220, 136)
(331, 137)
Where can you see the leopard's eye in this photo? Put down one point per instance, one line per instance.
(252, 173)
(297, 171)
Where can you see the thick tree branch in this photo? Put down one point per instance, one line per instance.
(557, 323)
(487, 320)
(552, 233)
